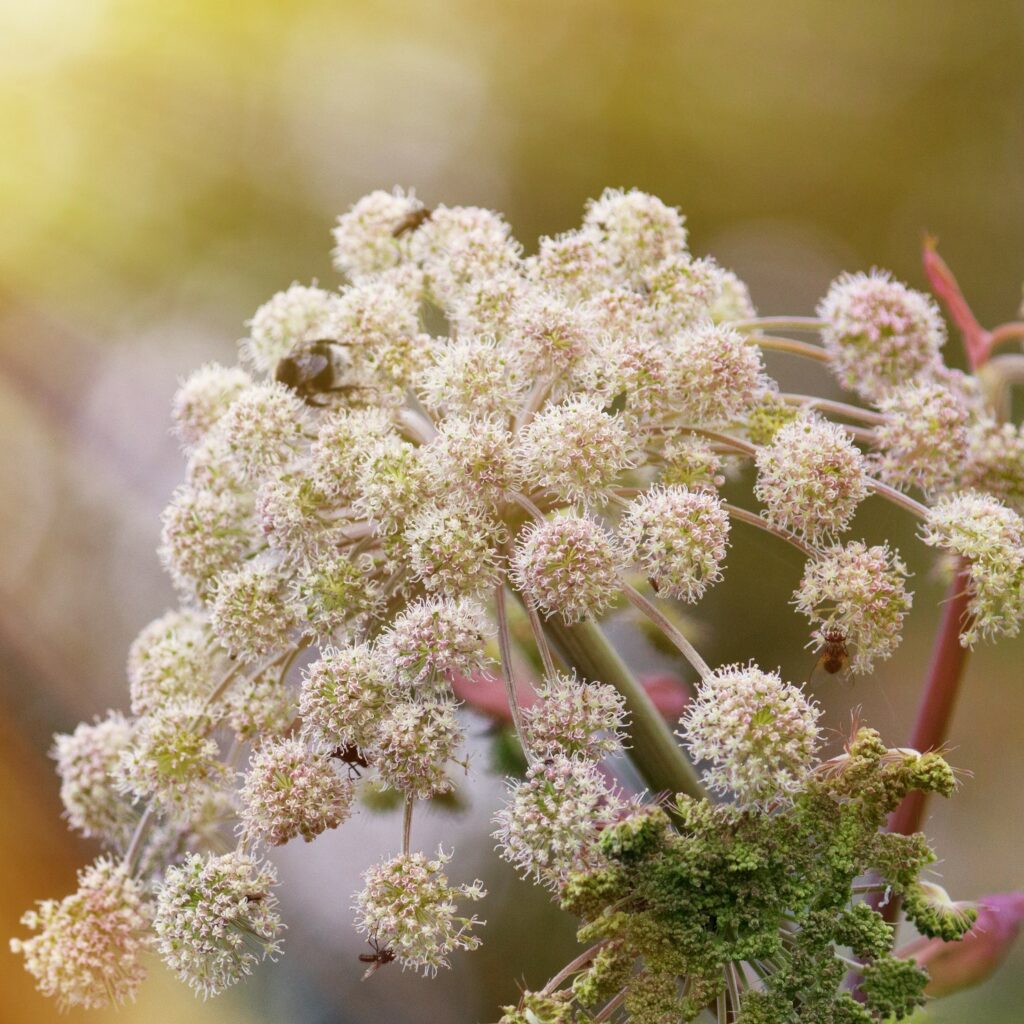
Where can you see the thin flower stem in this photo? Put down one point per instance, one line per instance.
(1012, 331)
(793, 347)
(779, 323)
(735, 443)
(505, 651)
(852, 412)
(571, 968)
(753, 519)
(524, 502)
(611, 1006)
(416, 425)
(904, 501)
(543, 647)
(134, 851)
(685, 647)
(652, 748)
(410, 802)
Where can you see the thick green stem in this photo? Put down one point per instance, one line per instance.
(653, 748)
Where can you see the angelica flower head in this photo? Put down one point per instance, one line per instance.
(811, 478)
(552, 336)
(718, 373)
(758, 733)
(474, 456)
(263, 428)
(413, 745)
(345, 694)
(472, 377)
(575, 265)
(203, 398)
(680, 290)
(172, 758)
(408, 907)
(216, 919)
(252, 614)
(638, 230)
(990, 537)
(573, 716)
(575, 450)
(372, 235)
(290, 791)
(567, 565)
(336, 593)
(171, 659)
(552, 820)
(880, 332)
(343, 439)
(299, 314)
(85, 759)
(857, 591)
(678, 539)
(435, 638)
(923, 441)
(88, 948)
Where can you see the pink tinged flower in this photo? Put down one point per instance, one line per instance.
(954, 966)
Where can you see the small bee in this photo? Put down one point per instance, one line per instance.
(377, 959)
(308, 370)
(351, 756)
(411, 221)
(835, 656)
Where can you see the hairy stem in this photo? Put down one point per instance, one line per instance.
(653, 749)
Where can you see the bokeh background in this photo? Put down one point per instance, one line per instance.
(166, 165)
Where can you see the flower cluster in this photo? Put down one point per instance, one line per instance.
(409, 908)
(461, 444)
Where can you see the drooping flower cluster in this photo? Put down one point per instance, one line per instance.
(463, 443)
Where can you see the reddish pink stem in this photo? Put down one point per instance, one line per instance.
(941, 687)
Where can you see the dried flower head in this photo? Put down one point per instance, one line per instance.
(407, 906)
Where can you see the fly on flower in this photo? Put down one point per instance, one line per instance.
(834, 658)
(377, 959)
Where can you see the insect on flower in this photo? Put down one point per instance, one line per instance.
(377, 959)
(834, 657)
(308, 370)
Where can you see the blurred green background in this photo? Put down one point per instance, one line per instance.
(168, 164)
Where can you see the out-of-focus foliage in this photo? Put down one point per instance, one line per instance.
(168, 164)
